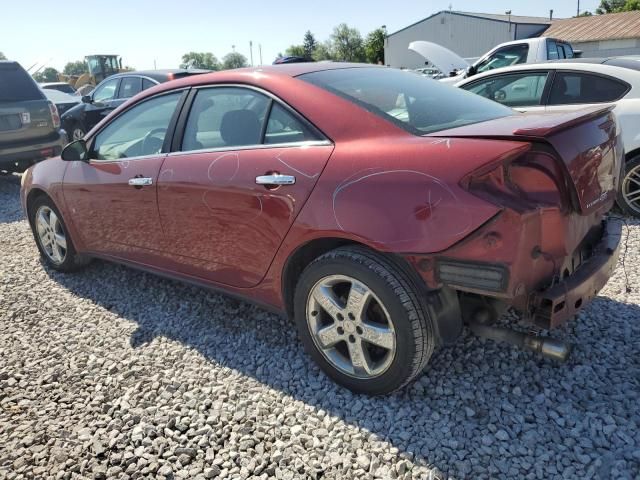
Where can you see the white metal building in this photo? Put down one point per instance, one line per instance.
(601, 35)
(467, 34)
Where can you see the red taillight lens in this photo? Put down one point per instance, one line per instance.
(55, 117)
(521, 181)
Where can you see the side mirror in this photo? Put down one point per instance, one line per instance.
(471, 71)
(87, 99)
(75, 151)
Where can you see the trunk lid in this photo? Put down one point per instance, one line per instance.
(587, 141)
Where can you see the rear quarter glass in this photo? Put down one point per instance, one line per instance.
(16, 85)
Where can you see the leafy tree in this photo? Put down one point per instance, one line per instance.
(374, 46)
(2, 57)
(309, 44)
(49, 74)
(347, 44)
(75, 68)
(586, 13)
(234, 60)
(323, 51)
(610, 6)
(206, 60)
(295, 51)
(631, 5)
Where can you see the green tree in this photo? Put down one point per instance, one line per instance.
(631, 5)
(295, 51)
(374, 46)
(323, 51)
(234, 60)
(586, 13)
(309, 44)
(75, 68)
(49, 74)
(610, 6)
(2, 57)
(347, 44)
(206, 60)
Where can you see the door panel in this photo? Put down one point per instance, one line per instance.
(219, 224)
(112, 216)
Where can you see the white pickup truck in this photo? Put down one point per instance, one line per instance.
(528, 50)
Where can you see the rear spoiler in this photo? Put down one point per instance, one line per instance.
(562, 122)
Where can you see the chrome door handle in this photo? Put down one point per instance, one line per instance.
(140, 181)
(275, 179)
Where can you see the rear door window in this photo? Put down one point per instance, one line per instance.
(147, 84)
(284, 127)
(16, 85)
(514, 90)
(129, 86)
(577, 87)
(552, 50)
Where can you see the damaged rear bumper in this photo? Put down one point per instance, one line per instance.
(558, 303)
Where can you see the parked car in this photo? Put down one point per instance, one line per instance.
(29, 123)
(561, 86)
(292, 186)
(111, 93)
(59, 86)
(62, 101)
(526, 50)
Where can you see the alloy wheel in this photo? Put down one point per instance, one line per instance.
(77, 134)
(631, 188)
(51, 234)
(350, 326)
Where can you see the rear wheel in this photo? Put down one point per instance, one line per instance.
(76, 133)
(362, 321)
(52, 238)
(629, 194)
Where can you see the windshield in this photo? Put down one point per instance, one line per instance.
(416, 103)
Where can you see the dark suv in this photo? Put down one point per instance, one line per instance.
(29, 123)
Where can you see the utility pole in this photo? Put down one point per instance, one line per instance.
(578, 13)
(260, 50)
(251, 51)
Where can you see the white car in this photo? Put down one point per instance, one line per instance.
(526, 50)
(571, 85)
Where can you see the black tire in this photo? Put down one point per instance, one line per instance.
(70, 133)
(632, 167)
(71, 261)
(412, 319)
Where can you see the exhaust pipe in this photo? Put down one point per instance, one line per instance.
(545, 346)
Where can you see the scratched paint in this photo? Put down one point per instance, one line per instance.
(371, 202)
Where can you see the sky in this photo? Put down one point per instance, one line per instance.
(147, 33)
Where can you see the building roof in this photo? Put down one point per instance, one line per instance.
(611, 26)
(496, 17)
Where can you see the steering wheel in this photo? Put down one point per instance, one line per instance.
(151, 143)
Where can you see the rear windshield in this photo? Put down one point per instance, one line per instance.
(416, 103)
(16, 85)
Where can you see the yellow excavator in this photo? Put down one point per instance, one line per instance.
(100, 67)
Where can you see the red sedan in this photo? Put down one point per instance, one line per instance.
(378, 208)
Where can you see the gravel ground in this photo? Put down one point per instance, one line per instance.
(112, 373)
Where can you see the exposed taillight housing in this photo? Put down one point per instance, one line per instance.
(55, 117)
(525, 179)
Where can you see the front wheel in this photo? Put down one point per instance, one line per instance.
(629, 194)
(52, 238)
(361, 319)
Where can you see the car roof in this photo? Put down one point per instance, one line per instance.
(51, 84)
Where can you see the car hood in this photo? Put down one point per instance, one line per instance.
(444, 59)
